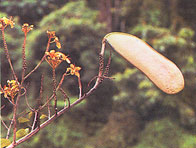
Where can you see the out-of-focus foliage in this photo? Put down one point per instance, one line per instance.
(30, 11)
(128, 111)
(164, 133)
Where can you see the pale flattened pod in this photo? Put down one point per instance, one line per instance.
(160, 70)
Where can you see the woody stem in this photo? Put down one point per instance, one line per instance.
(80, 87)
(24, 64)
(15, 124)
(7, 54)
(54, 90)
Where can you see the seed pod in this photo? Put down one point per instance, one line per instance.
(160, 70)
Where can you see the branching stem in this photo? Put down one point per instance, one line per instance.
(36, 67)
(34, 129)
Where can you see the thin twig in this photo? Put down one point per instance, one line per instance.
(102, 77)
(24, 91)
(26, 99)
(15, 106)
(48, 108)
(24, 64)
(61, 81)
(65, 97)
(80, 87)
(36, 67)
(34, 121)
(40, 92)
(27, 102)
(15, 123)
(101, 61)
(9, 129)
(54, 90)
(24, 112)
(4, 124)
(7, 54)
(107, 68)
(2, 107)
(10, 101)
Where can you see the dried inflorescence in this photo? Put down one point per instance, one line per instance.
(11, 90)
(51, 34)
(73, 70)
(55, 58)
(6, 22)
(26, 28)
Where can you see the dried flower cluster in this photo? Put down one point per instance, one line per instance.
(26, 28)
(11, 90)
(6, 22)
(55, 58)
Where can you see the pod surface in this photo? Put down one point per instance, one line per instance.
(160, 70)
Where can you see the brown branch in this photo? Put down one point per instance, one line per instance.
(62, 111)
(15, 123)
(33, 132)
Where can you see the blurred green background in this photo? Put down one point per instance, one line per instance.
(127, 112)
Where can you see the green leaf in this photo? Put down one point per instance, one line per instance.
(152, 94)
(5, 142)
(190, 59)
(21, 132)
(145, 84)
(43, 116)
(23, 120)
(27, 130)
(30, 115)
(186, 33)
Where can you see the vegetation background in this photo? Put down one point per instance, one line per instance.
(129, 111)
